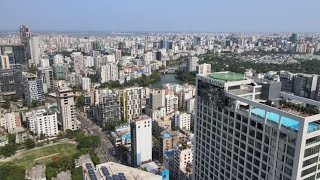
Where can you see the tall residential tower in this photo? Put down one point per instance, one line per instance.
(249, 129)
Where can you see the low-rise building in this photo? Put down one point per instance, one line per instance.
(42, 121)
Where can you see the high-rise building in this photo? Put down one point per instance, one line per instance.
(286, 79)
(305, 85)
(182, 120)
(4, 62)
(117, 55)
(192, 63)
(12, 121)
(86, 84)
(60, 71)
(171, 103)
(66, 109)
(16, 53)
(33, 88)
(294, 38)
(46, 75)
(43, 122)
(157, 98)
(183, 157)
(204, 68)
(246, 129)
(196, 41)
(11, 80)
(141, 140)
(109, 72)
(25, 34)
(108, 110)
(132, 102)
(34, 51)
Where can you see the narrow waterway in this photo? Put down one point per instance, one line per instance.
(166, 78)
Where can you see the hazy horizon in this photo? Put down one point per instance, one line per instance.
(164, 16)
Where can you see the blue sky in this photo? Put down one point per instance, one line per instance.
(163, 15)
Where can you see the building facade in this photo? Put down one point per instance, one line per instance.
(242, 134)
(66, 109)
(141, 140)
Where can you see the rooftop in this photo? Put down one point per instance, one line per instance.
(111, 169)
(141, 117)
(166, 135)
(227, 76)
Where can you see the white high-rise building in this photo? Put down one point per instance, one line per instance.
(34, 49)
(183, 158)
(171, 103)
(204, 69)
(89, 61)
(249, 129)
(86, 84)
(44, 63)
(109, 72)
(117, 55)
(141, 140)
(182, 120)
(42, 122)
(66, 109)
(58, 59)
(191, 105)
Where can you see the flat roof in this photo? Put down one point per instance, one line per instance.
(166, 135)
(227, 76)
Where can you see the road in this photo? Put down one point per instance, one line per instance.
(103, 152)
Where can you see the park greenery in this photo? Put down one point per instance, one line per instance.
(143, 81)
(228, 62)
(57, 157)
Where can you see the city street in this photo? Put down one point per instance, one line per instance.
(103, 151)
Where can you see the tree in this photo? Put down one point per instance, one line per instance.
(60, 135)
(29, 144)
(8, 150)
(80, 102)
(9, 171)
(11, 138)
(34, 103)
(89, 142)
(42, 136)
(6, 104)
(76, 173)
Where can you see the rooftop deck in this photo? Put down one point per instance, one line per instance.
(227, 76)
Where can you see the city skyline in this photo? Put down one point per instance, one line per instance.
(167, 16)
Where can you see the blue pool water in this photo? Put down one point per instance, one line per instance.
(285, 121)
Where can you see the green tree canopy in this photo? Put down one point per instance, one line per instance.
(29, 144)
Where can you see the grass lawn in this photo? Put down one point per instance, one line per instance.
(44, 155)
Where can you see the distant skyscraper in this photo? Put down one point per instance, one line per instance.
(196, 41)
(141, 140)
(86, 84)
(109, 72)
(294, 38)
(34, 51)
(157, 98)
(25, 34)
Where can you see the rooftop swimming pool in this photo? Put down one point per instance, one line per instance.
(285, 121)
